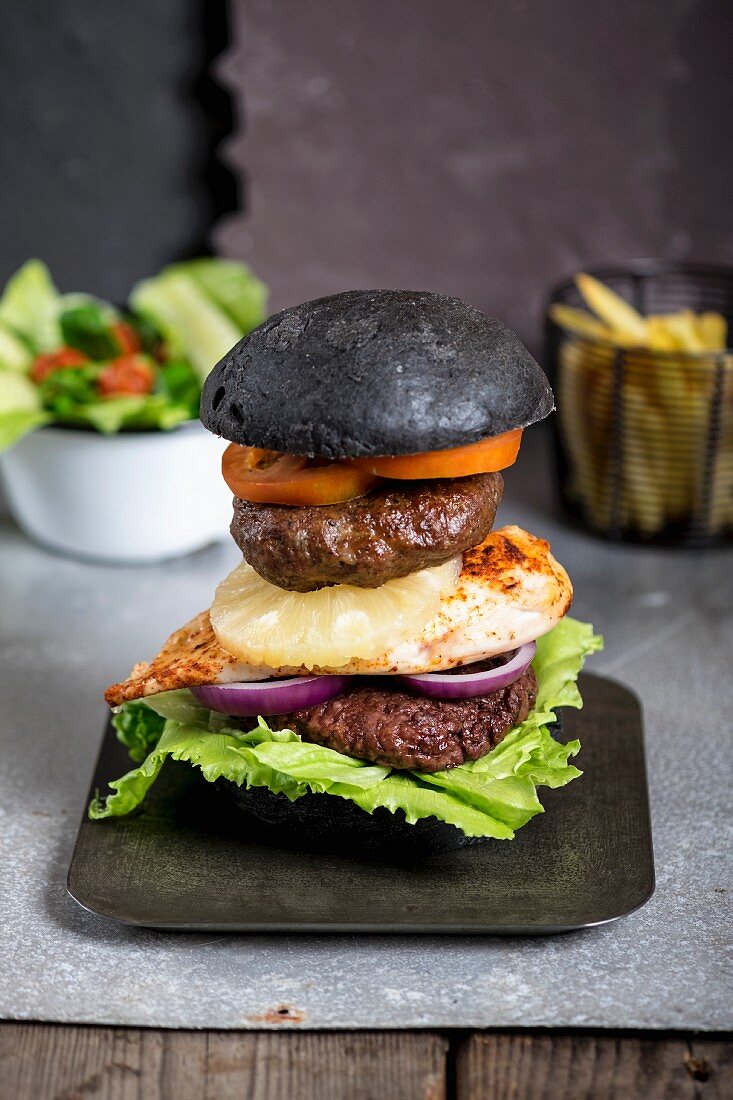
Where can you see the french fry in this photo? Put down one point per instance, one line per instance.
(660, 339)
(644, 465)
(683, 330)
(712, 330)
(579, 321)
(623, 320)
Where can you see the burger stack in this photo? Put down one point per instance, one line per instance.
(376, 612)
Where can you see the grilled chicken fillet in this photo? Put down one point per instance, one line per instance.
(510, 591)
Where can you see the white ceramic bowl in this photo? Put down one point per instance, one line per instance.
(132, 497)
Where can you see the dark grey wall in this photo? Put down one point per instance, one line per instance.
(479, 147)
(104, 145)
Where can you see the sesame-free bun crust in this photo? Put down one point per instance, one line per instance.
(374, 372)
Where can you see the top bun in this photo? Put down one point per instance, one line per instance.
(374, 372)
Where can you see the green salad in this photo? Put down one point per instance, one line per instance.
(490, 797)
(76, 360)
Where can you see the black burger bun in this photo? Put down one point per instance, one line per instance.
(331, 825)
(374, 372)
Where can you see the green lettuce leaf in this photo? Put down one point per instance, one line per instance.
(261, 757)
(65, 388)
(139, 728)
(18, 393)
(15, 354)
(232, 286)
(20, 408)
(71, 395)
(138, 412)
(180, 705)
(201, 308)
(192, 325)
(29, 306)
(491, 797)
(86, 324)
(180, 384)
(17, 423)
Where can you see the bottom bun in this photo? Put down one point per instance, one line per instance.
(327, 823)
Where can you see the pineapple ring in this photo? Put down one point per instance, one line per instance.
(262, 624)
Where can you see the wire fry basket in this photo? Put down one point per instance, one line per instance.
(644, 438)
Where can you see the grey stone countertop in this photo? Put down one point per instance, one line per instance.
(69, 628)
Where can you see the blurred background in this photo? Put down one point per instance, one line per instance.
(484, 148)
(481, 148)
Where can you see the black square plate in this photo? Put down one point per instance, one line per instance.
(187, 862)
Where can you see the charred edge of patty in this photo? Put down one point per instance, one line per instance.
(411, 733)
(397, 529)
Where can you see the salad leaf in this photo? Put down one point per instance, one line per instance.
(62, 390)
(17, 393)
(71, 395)
(20, 408)
(188, 316)
(136, 412)
(232, 286)
(491, 797)
(87, 327)
(14, 352)
(17, 423)
(29, 306)
(177, 379)
(192, 325)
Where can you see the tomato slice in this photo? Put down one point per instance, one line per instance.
(128, 374)
(269, 477)
(49, 361)
(485, 457)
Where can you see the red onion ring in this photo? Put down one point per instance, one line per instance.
(266, 697)
(438, 685)
(269, 697)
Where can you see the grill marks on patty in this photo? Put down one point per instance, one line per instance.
(395, 530)
(412, 733)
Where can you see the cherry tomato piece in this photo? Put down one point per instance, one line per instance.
(49, 361)
(127, 375)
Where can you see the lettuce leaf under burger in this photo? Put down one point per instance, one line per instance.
(490, 797)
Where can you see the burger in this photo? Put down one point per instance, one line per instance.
(382, 670)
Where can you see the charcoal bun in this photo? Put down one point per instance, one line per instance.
(374, 372)
(328, 824)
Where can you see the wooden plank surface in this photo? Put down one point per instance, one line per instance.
(56, 1062)
(527, 1066)
(710, 1064)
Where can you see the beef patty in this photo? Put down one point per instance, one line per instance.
(409, 732)
(396, 529)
